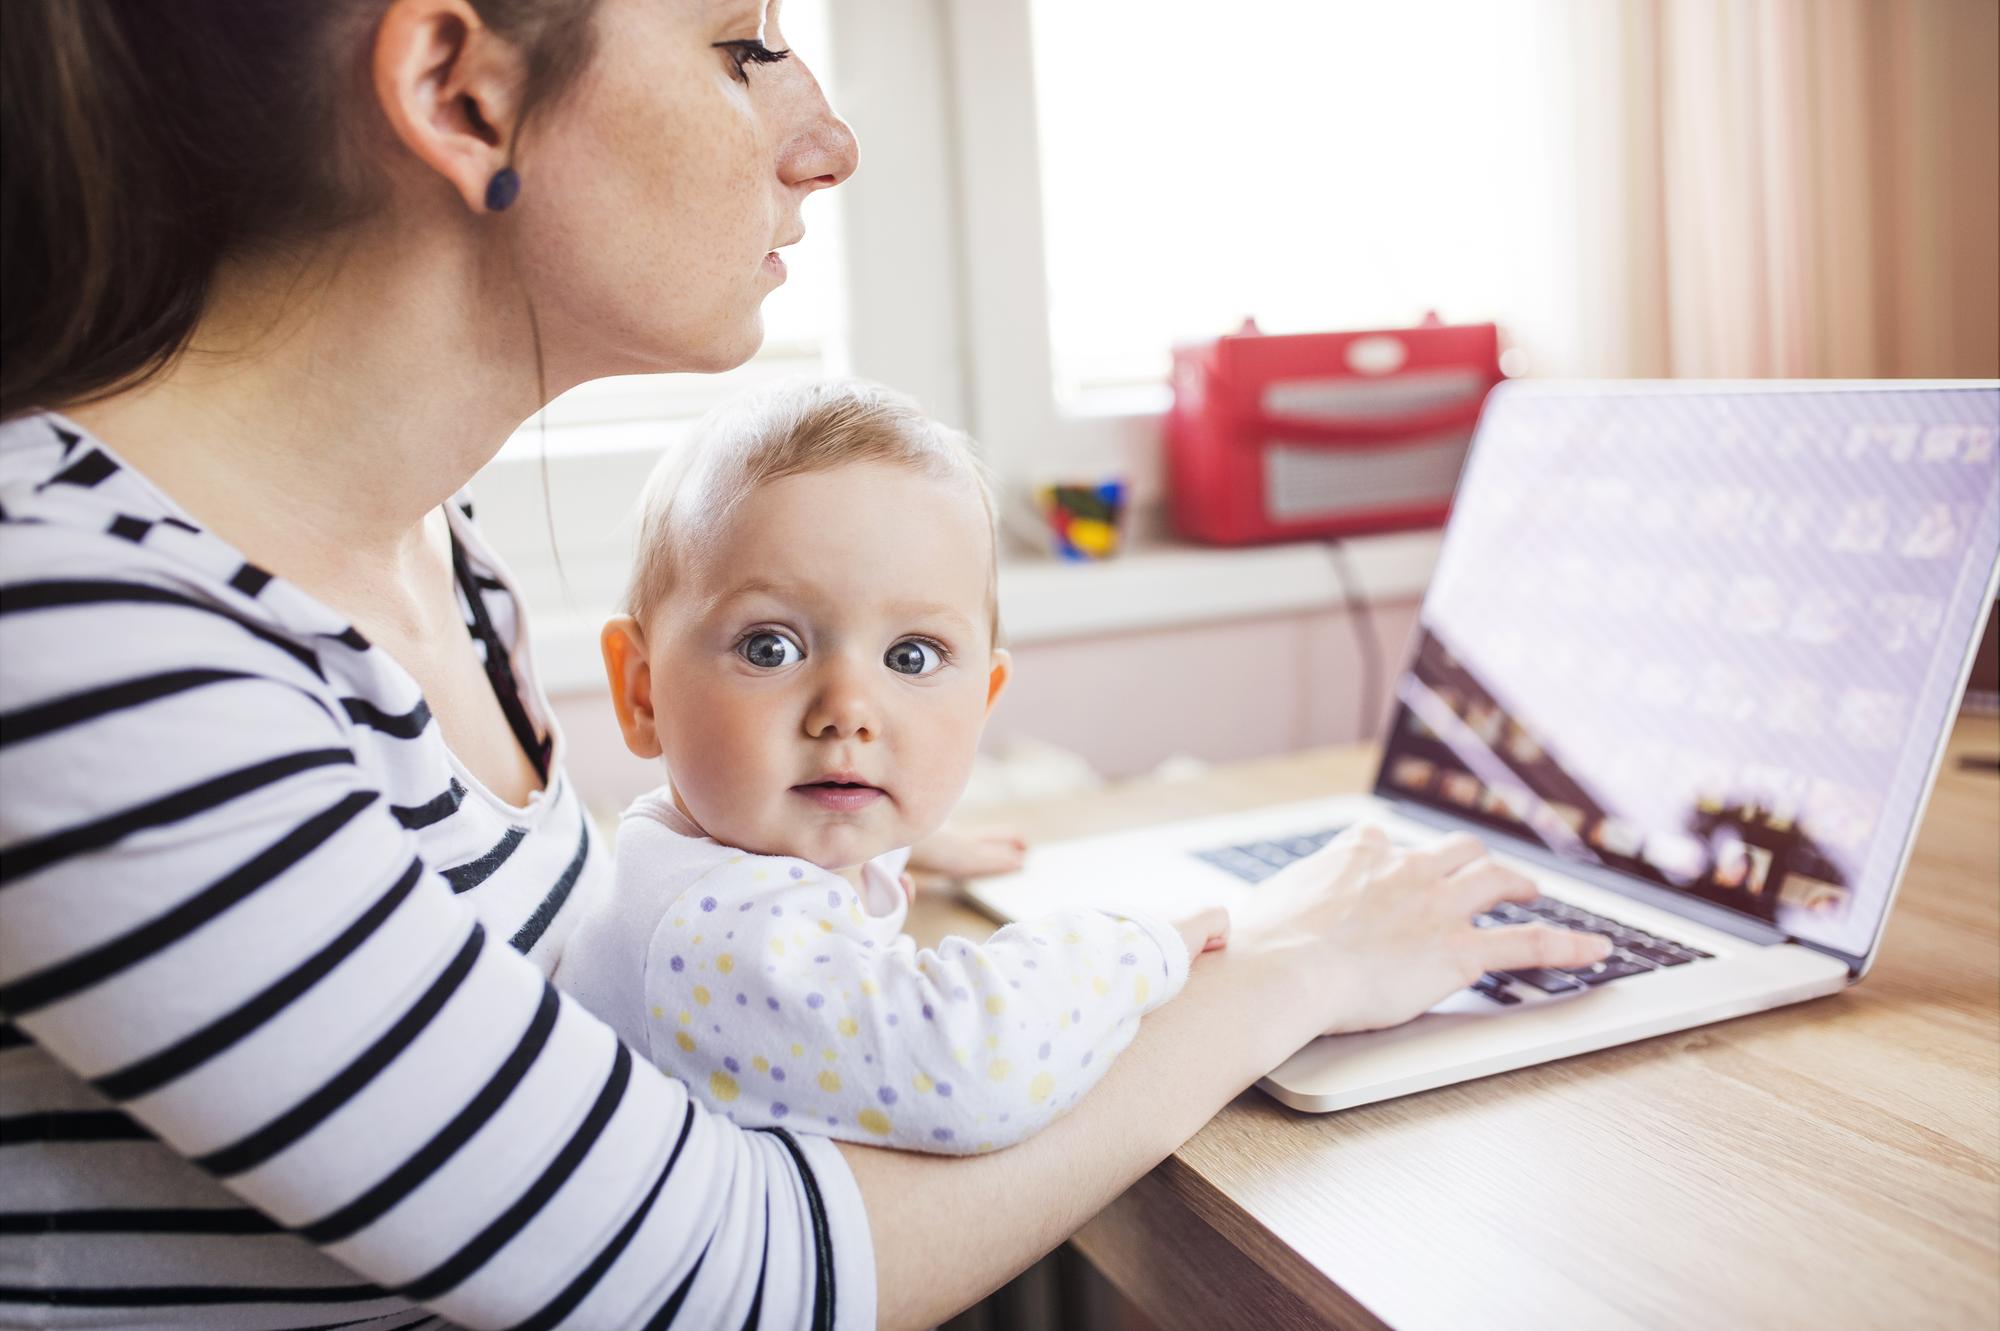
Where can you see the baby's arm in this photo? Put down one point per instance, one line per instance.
(780, 1001)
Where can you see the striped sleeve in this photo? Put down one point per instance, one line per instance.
(211, 915)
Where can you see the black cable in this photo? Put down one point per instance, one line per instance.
(1362, 620)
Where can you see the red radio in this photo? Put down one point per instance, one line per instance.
(1275, 438)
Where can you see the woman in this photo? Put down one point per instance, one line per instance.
(288, 847)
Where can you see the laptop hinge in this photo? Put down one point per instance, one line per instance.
(1760, 932)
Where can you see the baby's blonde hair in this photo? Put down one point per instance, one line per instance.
(792, 430)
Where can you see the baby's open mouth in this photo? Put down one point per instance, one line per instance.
(840, 796)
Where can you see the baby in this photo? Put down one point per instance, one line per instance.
(810, 644)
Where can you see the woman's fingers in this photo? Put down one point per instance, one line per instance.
(1447, 856)
(1484, 884)
(1524, 946)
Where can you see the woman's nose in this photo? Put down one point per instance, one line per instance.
(820, 151)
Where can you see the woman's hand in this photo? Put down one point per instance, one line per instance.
(1375, 934)
(1204, 931)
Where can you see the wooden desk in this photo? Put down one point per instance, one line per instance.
(1831, 1164)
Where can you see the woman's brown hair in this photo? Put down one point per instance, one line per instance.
(143, 142)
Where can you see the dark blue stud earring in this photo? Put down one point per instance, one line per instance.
(502, 190)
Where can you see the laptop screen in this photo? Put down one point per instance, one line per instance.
(1708, 636)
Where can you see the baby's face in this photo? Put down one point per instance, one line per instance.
(819, 676)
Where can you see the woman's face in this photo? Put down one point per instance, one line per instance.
(656, 194)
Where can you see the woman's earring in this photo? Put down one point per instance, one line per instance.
(502, 190)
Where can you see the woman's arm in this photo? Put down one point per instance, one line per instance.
(1356, 936)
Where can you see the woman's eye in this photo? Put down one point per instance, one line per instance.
(768, 651)
(750, 51)
(913, 656)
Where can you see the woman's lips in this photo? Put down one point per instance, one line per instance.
(839, 797)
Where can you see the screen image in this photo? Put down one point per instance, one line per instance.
(1708, 637)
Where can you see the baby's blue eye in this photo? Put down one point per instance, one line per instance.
(913, 656)
(769, 650)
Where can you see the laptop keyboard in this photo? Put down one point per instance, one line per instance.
(1634, 951)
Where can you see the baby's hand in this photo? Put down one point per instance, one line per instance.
(1204, 931)
(968, 855)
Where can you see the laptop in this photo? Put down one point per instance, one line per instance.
(1688, 660)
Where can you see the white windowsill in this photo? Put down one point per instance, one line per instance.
(1157, 587)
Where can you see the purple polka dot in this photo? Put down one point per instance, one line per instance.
(1086, 1059)
(731, 1064)
(1029, 962)
(822, 959)
(1076, 1014)
(776, 911)
(779, 1109)
(716, 1029)
(886, 1094)
(944, 1089)
(797, 872)
(730, 934)
(677, 965)
(742, 1000)
(959, 991)
(868, 1058)
(1040, 942)
(867, 942)
(815, 1001)
(892, 1019)
(708, 903)
(1129, 959)
(928, 1014)
(940, 1134)
(1043, 1052)
(745, 906)
(777, 1074)
(771, 1003)
(832, 898)
(1016, 984)
(832, 1122)
(1004, 1118)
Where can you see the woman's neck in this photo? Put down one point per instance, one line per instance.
(324, 408)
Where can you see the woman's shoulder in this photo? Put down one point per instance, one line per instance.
(92, 549)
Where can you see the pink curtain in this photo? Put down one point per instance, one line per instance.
(1791, 187)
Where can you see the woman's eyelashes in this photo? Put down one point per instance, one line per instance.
(749, 51)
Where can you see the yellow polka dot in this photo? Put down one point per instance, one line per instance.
(868, 988)
(831, 1055)
(829, 1081)
(687, 1018)
(854, 910)
(685, 1041)
(695, 939)
(874, 1120)
(997, 1070)
(985, 962)
(958, 1056)
(1062, 1021)
(826, 926)
(797, 1050)
(798, 936)
(658, 1011)
(1099, 985)
(680, 922)
(701, 995)
(1140, 989)
(1072, 937)
(761, 1063)
(849, 1027)
(759, 875)
(1041, 1086)
(922, 1083)
(778, 946)
(983, 1147)
(722, 1086)
(725, 963)
(992, 1042)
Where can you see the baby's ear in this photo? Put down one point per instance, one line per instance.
(631, 680)
(997, 676)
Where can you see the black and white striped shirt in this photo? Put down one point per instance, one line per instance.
(279, 1049)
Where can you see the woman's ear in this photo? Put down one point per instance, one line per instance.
(631, 679)
(997, 676)
(450, 88)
